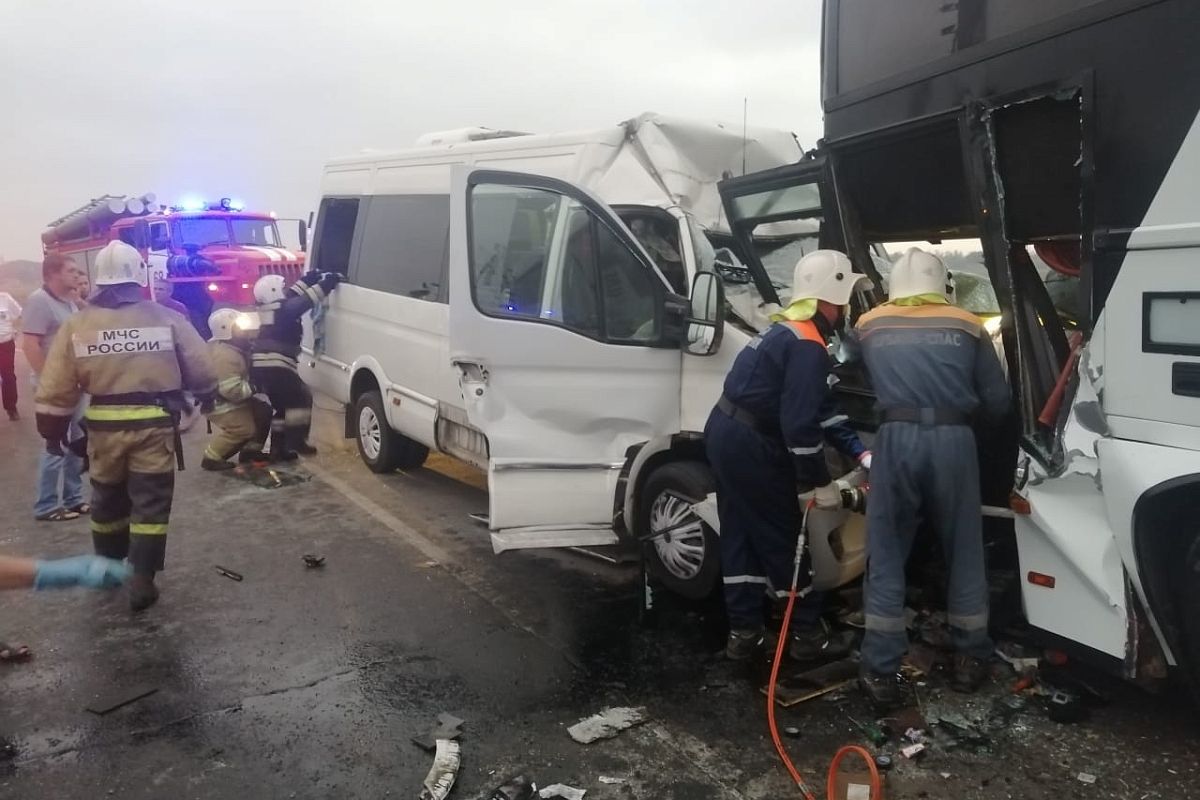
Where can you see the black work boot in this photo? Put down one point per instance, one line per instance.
(743, 644)
(819, 642)
(882, 691)
(969, 673)
(251, 456)
(215, 464)
(142, 591)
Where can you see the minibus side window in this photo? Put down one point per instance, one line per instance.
(335, 234)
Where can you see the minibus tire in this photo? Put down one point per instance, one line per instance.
(380, 447)
(659, 496)
(1187, 598)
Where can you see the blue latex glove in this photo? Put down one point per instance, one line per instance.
(93, 572)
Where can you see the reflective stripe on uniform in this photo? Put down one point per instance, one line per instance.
(885, 624)
(806, 451)
(124, 413)
(297, 416)
(53, 411)
(733, 580)
(837, 419)
(148, 528)
(230, 385)
(273, 360)
(926, 316)
(805, 331)
(968, 622)
(116, 526)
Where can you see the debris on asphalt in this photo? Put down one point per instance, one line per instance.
(607, 724)
(912, 750)
(792, 732)
(269, 477)
(518, 787)
(1017, 657)
(563, 791)
(447, 726)
(610, 781)
(444, 771)
(1065, 708)
(883, 761)
(313, 562)
(1086, 777)
(228, 573)
(118, 699)
(876, 734)
(798, 687)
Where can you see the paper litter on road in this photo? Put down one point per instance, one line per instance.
(611, 781)
(563, 791)
(1086, 777)
(607, 724)
(444, 771)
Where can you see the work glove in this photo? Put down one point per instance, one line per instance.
(330, 280)
(53, 429)
(827, 497)
(311, 278)
(865, 460)
(94, 572)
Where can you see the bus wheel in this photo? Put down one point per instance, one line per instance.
(681, 552)
(380, 447)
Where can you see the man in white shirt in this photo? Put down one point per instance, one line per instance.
(10, 312)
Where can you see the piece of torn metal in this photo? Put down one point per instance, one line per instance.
(801, 686)
(440, 780)
(563, 791)
(607, 724)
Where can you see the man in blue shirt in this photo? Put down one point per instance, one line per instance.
(44, 313)
(766, 442)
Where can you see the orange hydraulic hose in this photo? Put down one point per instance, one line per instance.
(779, 647)
(1054, 401)
(855, 750)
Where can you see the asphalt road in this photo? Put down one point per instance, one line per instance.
(311, 683)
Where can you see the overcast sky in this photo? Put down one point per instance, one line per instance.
(249, 98)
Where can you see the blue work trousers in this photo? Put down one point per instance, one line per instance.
(760, 517)
(925, 472)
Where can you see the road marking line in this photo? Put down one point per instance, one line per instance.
(435, 552)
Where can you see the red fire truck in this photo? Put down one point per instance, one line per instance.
(211, 252)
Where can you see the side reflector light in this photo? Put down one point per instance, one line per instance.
(1041, 579)
(212, 287)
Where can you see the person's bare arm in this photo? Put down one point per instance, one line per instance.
(17, 573)
(31, 345)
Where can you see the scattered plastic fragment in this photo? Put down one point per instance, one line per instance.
(519, 787)
(228, 573)
(605, 779)
(913, 750)
(563, 791)
(448, 727)
(1085, 777)
(441, 777)
(313, 562)
(792, 732)
(607, 724)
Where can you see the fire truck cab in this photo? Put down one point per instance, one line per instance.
(212, 253)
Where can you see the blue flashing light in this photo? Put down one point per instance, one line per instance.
(191, 203)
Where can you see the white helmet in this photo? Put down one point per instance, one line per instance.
(917, 272)
(222, 323)
(229, 323)
(269, 289)
(825, 275)
(118, 263)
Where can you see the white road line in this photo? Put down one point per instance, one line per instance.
(435, 552)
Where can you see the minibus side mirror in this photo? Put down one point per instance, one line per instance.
(706, 319)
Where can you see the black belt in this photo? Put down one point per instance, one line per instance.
(927, 416)
(731, 409)
(172, 402)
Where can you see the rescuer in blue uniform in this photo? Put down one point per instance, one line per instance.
(934, 371)
(766, 442)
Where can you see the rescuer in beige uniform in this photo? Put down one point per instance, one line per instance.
(240, 421)
(135, 358)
